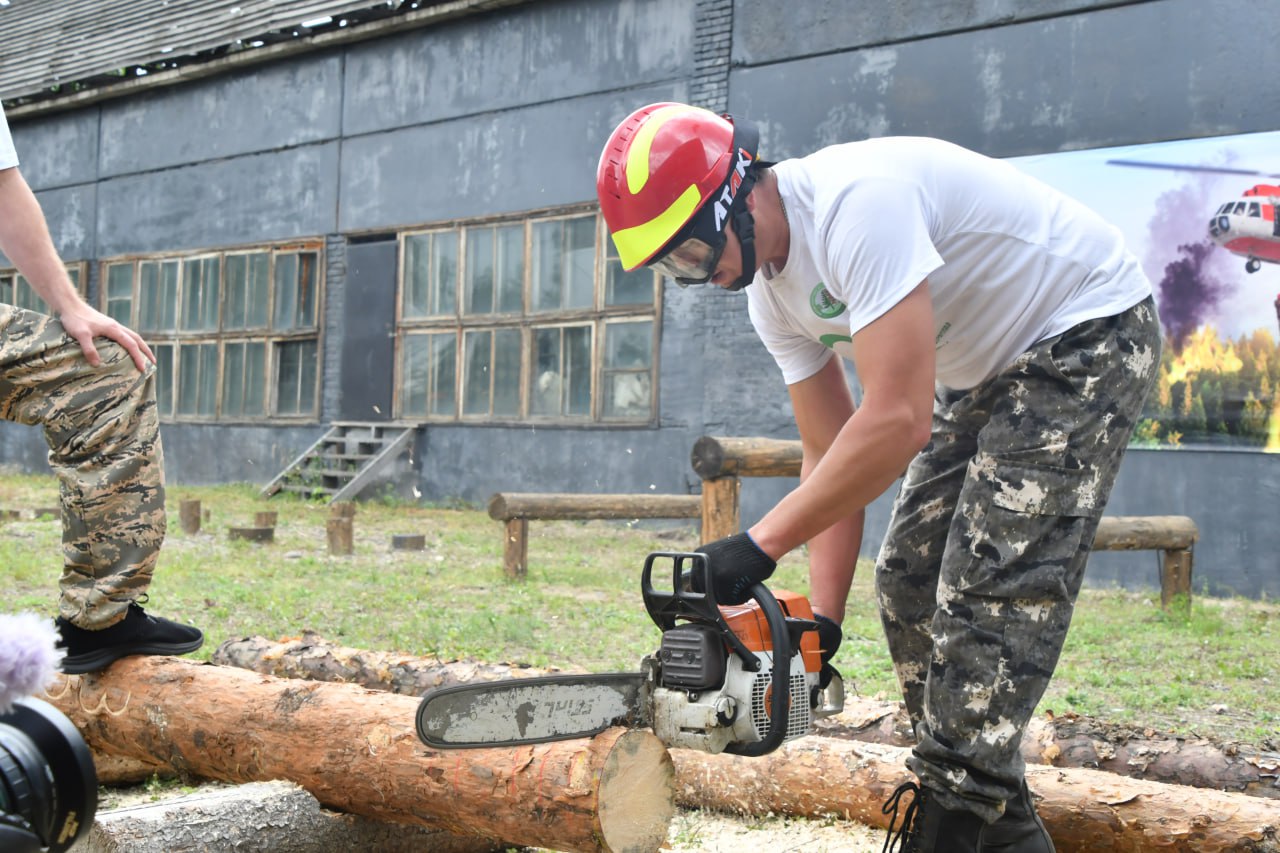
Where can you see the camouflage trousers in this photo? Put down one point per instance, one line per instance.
(103, 434)
(986, 549)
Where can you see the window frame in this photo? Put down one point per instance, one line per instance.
(185, 342)
(528, 321)
(77, 271)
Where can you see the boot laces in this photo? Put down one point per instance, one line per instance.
(899, 840)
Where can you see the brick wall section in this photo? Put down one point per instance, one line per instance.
(335, 306)
(742, 391)
(714, 44)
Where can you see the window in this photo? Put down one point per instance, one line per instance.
(528, 319)
(235, 333)
(16, 290)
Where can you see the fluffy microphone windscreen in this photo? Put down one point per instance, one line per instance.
(29, 656)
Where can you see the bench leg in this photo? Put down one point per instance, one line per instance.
(515, 548)
(720, 508)
(1175, 580)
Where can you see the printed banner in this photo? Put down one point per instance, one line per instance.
(1201, 215)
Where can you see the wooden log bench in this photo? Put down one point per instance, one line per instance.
(721, 463)
(516, 509)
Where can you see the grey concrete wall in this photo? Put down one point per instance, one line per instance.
(1019, 83)
(505, 112)
(1233, 496)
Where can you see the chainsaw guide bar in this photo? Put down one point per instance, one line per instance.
(531, 710)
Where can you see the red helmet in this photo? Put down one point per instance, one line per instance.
(670, 177)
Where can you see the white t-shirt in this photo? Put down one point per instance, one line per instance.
(8, 156)
(1010, 261)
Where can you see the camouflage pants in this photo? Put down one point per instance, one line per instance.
(103, 434)
(986, 549)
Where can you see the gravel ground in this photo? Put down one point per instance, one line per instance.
(691, 831)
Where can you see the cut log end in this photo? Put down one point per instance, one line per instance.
(637, 794)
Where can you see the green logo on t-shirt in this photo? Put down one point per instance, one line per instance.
(824, 304)
(830, 341)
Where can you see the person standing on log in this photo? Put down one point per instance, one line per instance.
(1004, 340)
(90, 383)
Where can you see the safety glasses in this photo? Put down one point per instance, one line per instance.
(692, 261)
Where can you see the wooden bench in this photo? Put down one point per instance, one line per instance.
(516, 509)
(723, 462)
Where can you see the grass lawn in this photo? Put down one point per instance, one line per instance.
(1125, 661)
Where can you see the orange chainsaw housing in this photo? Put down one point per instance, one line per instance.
(751, 626)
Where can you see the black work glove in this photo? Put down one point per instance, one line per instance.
(829, 637)
(736, 564)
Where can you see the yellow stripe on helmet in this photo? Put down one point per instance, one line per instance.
(638, 243)
(637, 165)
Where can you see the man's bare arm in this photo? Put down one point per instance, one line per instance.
(24, 238)
(822, 405)
(895, 360)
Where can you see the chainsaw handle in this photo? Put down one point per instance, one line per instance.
(665, 608)
(780, 695)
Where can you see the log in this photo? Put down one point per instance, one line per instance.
(720, 508)
(515, 548)
(1173, 535)
(313, 658)
(714, 457)
(1145, 532)
(1074, 741)
(505, 506)
(1082, 809)
(515, 509)
(115, 770)
(1063, 741)
(356, 751)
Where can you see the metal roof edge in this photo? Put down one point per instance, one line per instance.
(429, 16)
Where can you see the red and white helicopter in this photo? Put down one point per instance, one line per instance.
(1248, 226)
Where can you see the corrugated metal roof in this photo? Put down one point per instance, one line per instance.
(56, 43)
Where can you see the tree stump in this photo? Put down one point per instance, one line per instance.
(408, 542)
(261, 535)
(339, 532)
(189, 516)
(265, 519)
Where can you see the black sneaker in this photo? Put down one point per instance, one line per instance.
(136, 634)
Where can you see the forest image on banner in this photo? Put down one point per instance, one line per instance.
(1201, 217)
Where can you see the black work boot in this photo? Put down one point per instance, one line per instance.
(136, 634)
(1019, 829)
(927, 827)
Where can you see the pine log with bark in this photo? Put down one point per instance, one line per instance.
(1084, 810)
(316, 659)
(1071, 740)
(1068, 741)
(356, 751)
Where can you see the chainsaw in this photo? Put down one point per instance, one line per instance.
(741, 679)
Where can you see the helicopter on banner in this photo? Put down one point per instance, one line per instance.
(1248, 226)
